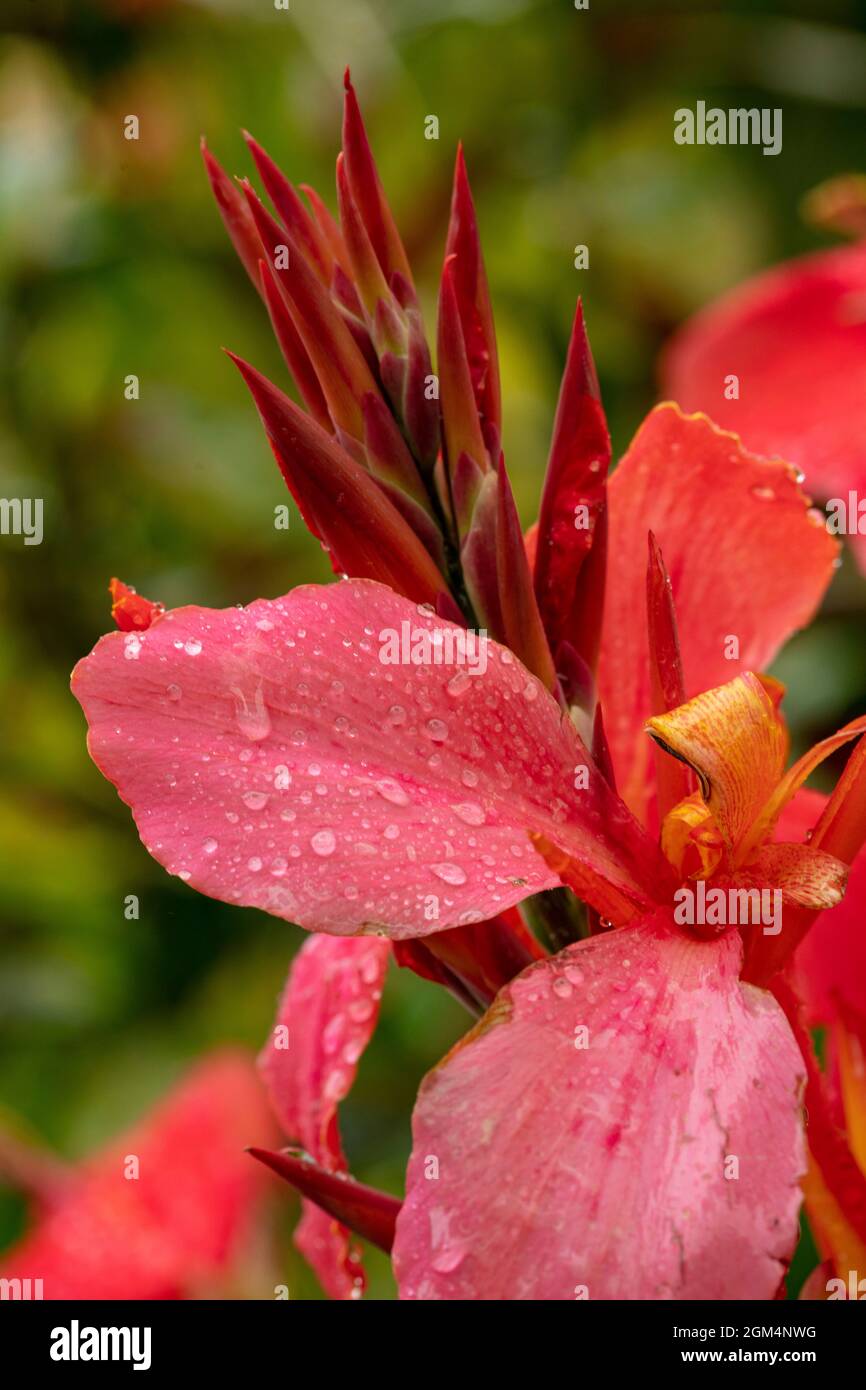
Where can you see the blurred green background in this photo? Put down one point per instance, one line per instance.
(113, 261)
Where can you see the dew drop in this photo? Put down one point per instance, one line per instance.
(361, 1010)
(256, 801)
(470, 812)
(392, 791)
(459, 684)
(210, 846)
(449, 872)
(323, 843)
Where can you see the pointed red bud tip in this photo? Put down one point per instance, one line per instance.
(368, 1212)
(236, 216)
(291, 210)
(340, 502)
(574, 488)
(130, 611)
(667, 687)
(328, 227)
(460, 420)
(524, 631)
(343, 374)
(368, 192)
(463, 249)
(367, 272)
(293, 350)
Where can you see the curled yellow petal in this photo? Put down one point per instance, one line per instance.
(734, 739)
(691, 840)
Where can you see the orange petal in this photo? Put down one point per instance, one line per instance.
(807, 877)
(834, 1235)
(691, 840)
(797, 775)
(735, 742)
(852, 1073)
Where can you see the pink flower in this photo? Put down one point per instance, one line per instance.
(781, 359)
(625, 1120)
(162, 1212)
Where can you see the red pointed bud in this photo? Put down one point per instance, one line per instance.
(368, 193)
(421, 396)
(130, 611)
(294, 216)
(293, 349)
(368, 1212)
(461, 424)
(478, 553)
(574, 491)
(523, 628)
(235, 214)
(463, 248)
(343, 374)
(674, 780)
(388, 457)
(367, 273)
(577, 683)
(328, 227)
(340, 503)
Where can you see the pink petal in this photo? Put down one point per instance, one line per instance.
(796, 338)
(731, 565)
(830, 963)
(327, 1015)
(272, 760)
(604, 1166)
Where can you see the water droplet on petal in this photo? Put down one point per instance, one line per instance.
(470, 812)
(392, 791)
(251, 714)
(210, 846)
(360, 1010)
(256, 801)
(192, 647)
(449, 1259)
(449, 872)
(323, 843)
